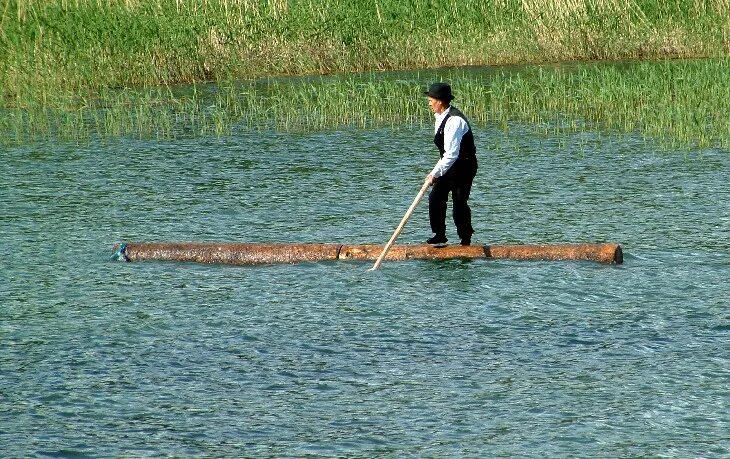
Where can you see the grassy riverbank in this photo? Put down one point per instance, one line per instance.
(72, 69)
(49, 44)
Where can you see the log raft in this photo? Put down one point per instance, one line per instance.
(254, 254)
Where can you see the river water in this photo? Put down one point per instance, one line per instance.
(420, 359)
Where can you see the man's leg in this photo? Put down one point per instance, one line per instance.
(462, 212)
(437, 206)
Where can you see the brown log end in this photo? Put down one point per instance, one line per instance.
(602, 253)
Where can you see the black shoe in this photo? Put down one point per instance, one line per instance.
(466, 242)
(437, 241)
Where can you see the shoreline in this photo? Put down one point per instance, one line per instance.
(76, 69)
(83, 45)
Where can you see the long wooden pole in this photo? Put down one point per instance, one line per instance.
(403, 221)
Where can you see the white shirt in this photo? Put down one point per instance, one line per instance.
(454, 130)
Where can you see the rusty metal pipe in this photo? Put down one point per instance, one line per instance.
(252, 254)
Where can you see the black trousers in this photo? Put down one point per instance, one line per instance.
(459, 185)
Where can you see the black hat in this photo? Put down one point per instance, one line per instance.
(441, 91)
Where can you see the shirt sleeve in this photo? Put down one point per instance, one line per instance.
(454, 131)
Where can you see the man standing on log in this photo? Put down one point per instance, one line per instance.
(456, 169)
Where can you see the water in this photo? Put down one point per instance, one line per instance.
(420, 359)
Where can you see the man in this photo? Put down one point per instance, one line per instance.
(456, 169)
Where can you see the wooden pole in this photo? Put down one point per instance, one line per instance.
(403, 221)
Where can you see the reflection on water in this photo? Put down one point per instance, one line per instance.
(421, 358)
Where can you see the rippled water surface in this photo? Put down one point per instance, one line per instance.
(420, 359)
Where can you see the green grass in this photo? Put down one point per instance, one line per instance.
(75, 69)
(675, 103)
(47, 45)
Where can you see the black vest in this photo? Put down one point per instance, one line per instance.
(466, 163)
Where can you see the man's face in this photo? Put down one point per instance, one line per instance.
(436, 105)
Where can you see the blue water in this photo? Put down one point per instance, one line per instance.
(480, 358)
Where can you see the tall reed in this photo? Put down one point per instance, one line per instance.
(676, 103)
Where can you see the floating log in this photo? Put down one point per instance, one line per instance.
(226, 253)
(252, 254)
